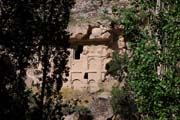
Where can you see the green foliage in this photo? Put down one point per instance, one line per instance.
(123, 103)
(152, 29)
(117, 67)
(83, 112)
(154, 40)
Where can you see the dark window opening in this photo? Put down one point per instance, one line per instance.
(86, 76)
(78, 52)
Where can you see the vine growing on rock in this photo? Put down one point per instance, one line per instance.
(152, 29)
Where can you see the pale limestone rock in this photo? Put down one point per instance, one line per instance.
(105, 35)
(97, 32)
(104, 95)
(93, 86)
(74, 30)
(88, 71)
(92, 64)
(71, 117)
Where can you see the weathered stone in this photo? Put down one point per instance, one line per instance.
(71, 117)
(101, 109)
(91, 10)
(89, 69)
(98, 32)
(93, 88)
(104, 95)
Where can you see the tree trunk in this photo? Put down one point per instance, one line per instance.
(45, 68)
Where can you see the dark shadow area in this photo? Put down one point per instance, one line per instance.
(78, 52)
(14, 97)
(86, 76)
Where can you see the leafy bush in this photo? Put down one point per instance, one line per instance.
(123, 104)
(117, 67)
(152, 30)
(83, 112)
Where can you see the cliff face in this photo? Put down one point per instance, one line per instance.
(92, 32)
(91, 11)
(93, 15)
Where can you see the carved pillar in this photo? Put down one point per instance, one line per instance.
(84, 62)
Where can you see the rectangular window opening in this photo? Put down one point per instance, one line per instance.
(78, 52)
(85, 75)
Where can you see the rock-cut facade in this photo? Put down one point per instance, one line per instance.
(89, 56)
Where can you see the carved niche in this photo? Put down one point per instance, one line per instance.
(92, 64)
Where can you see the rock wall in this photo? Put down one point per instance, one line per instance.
(89, 11)
(93, 45)
(93, 40)
(89, 70)
(98, 40)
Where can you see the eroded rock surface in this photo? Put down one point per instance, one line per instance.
(101, 108)
(93, 39)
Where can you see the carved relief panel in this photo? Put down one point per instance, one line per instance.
(92, 64)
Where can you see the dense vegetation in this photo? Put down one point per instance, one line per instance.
(32, 31)
(152, 29)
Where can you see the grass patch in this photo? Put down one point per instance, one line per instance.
(76, 96)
